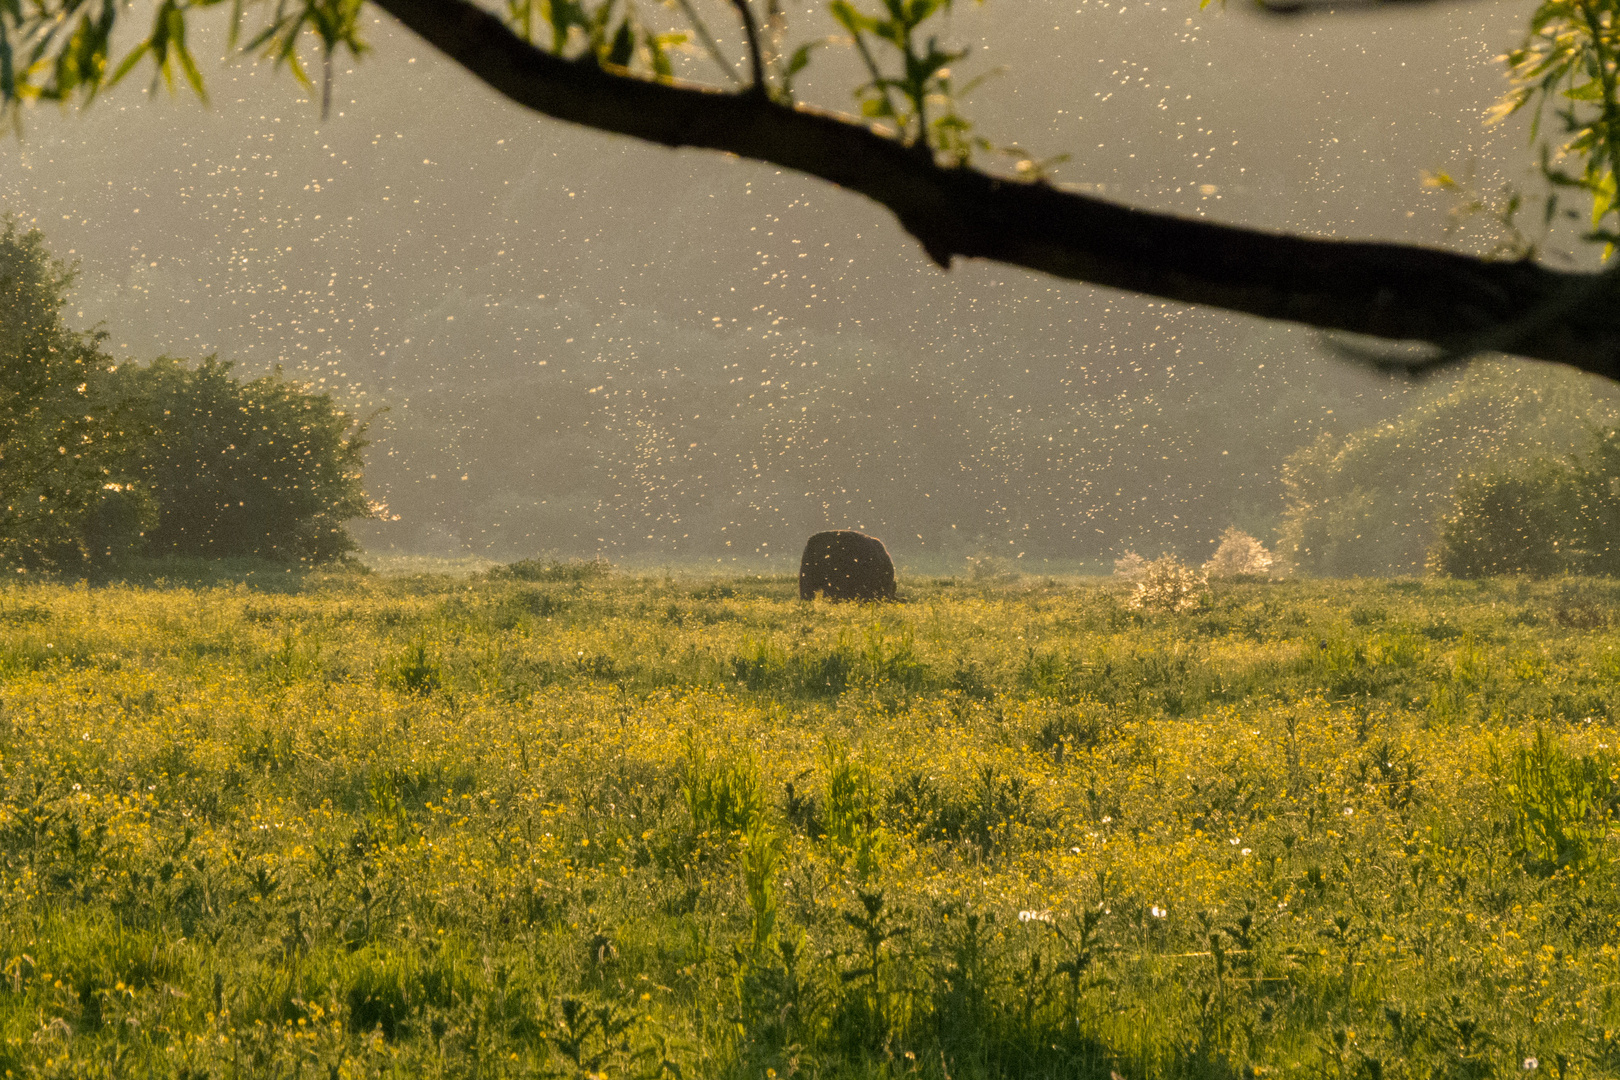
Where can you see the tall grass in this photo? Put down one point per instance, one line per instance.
(548, 823)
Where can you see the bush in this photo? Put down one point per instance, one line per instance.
(1596, 509)
(1238, 555)
(102, 463)
(263, 468)
(1508, 523)
(1169, 586)
(1130, 566)
(574, 570)
(1553, 516)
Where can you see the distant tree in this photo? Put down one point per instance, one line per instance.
(263, 468)
(1368, 503)
(100, 462)
(1508, 522)
(1596, 481)
(60, 495)
(599, 64)
(1552, 515)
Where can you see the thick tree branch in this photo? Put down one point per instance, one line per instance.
(1392, 291)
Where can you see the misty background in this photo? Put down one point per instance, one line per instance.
(588, 346)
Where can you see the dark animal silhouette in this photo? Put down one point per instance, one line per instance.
(846, 565)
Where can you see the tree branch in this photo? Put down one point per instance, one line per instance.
(1393, 291)
(756, 60)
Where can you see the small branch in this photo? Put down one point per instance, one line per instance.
(1397, 292)
(878, 80)
(326, 84)
(755, 58)
(709, 44)
(1287, 8)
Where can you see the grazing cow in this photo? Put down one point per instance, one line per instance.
(846, 565)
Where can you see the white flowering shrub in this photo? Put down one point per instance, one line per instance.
(1238, 554)
(990, 568)
(1130, 566)
(1166, 584)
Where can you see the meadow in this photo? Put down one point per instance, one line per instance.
(551, 821)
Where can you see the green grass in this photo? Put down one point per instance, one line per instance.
(550, 822)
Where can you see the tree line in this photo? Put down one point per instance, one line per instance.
(102, 463)
(1509, 470)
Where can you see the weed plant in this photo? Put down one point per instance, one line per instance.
(554, 823)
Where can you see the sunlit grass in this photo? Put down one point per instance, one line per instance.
(349, 824)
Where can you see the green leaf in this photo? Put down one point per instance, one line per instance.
(128, 63)
(623, 49)
(177, 34)
(234, 35)
(8, 74)
(848, 17)
(800, 59)
(1602, 197)
(562, 15)
(657, 52)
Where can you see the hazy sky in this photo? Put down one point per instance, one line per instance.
(586, 344)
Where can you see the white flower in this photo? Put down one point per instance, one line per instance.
(1158, 912)
(1531, 1064)
(1247, 851)
(1035, 916)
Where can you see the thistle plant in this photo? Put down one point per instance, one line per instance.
(1168, 585)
